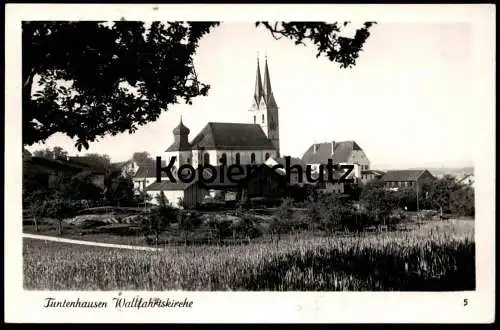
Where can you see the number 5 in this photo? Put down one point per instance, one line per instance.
(466, 302)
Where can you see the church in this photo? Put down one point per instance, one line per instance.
(219, 143)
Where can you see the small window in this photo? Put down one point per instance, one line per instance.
(255, 119)
(223, 159)
(252, 158)
(262, 119)
(267, 156)
(237, 157)
(206, 159)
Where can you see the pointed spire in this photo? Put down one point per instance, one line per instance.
(268, 91)
(181, 129)
(258, 84)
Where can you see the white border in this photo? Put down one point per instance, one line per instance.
(24, 306)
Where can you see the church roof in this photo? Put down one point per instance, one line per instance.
(319, 153)
(181, 129)
(258, 85)
(180, 143)
(233, 136)
(268, 91)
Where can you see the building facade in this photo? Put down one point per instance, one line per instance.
(396, 179)
(342, 153)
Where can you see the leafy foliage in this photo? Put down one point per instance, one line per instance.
(326, 37)
(104, 78)
(119, 190)
(378, 200)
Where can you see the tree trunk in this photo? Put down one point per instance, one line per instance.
(59, 227)
(35, 224)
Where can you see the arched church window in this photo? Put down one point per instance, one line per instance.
(252, 158)
(267, 156)
(255, 119)
(206, 159)
(237, 158)
(223, 159)
(262, 119)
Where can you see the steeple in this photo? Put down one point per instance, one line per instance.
(258, 84)
(181, 130)
(268, 91)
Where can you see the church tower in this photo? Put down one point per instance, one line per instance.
(264, 111)
(180, 148)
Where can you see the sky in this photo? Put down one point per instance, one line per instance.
(407, 102)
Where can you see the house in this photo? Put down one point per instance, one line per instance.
(395, 179)
(468, 179)
(56, 167)
(371, 175)
(342, 153)
(233, 143)
(191, 194)
(144, 175)
(127, 168)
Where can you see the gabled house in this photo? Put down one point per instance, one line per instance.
(342, 153)
(395, 179)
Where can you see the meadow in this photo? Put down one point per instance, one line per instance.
(436, 256)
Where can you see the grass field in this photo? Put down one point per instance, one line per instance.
(438, 256)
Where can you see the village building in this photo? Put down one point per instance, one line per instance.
(341, 153)
(178, 195)
(64, 167)
(395, 179)
(371, 175)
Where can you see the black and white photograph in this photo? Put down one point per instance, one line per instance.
(315, 156)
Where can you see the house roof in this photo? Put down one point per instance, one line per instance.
(167, 186)
(234, 136)
(148, 171)
(89, 162)
(403, 175)
(61, 164)
(293, 161)
(120, 164)
(375, 172)
(319, 153)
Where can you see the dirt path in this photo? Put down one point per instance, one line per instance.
(75, 241)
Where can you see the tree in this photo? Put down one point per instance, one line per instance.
(57, 209)
(119, 190)
(98, 160)
(55, 153)
(142, 157)
(450, 196)
(378, 200)
(90, 79)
